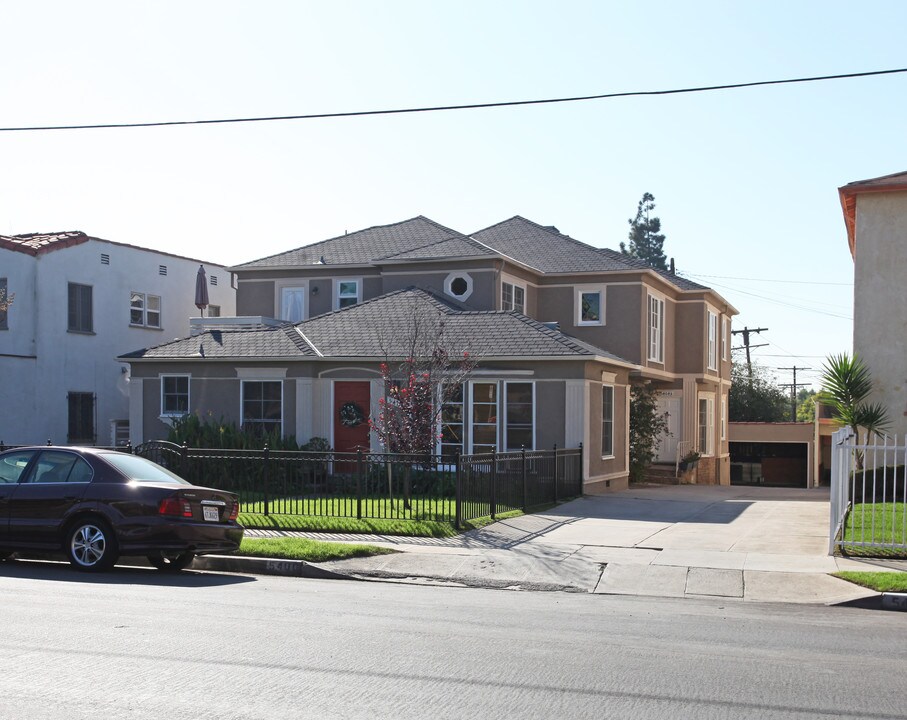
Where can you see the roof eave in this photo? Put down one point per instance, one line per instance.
(848, 195)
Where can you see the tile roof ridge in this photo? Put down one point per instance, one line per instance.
(346, 235)
(457, 236)
(300, 339)
(902, 173)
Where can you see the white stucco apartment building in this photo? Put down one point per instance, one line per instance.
(78, 303)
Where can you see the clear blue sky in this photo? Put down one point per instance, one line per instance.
(745, 180)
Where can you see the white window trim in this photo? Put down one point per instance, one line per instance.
(659, 354)
(609, 456)
(448, 281)
(439, 425)
(279, 300)
(172, 415)
(579, 291)
(709, 397)
(725, 338)
(724, 417)
(337, 281)
(469, 417)
(145, 299)
(712, 339)
(502, 398)
(513, 282)
(242, 398)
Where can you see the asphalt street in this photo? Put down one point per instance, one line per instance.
(138, 644)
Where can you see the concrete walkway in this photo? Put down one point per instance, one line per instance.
(736, 543)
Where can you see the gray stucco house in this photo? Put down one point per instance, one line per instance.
(561, 330)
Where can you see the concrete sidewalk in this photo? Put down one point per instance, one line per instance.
(735, 543)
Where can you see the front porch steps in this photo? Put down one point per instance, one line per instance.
(661, 474)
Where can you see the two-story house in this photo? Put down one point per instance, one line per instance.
(561, 330)
(80, 301)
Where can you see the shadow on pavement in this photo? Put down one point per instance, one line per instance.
(57, 571)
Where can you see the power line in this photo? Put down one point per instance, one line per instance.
(785, 304)
(770, 280)
(470, 106)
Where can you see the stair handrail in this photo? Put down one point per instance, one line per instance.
(681, 445)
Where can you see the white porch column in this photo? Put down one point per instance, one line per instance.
(304, 410)
(690, 413)
(576, 428)
(321, 409)
(136, 411)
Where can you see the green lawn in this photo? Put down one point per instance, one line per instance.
(303, 549)
(879, 522)
(878, 581)
(323, 523)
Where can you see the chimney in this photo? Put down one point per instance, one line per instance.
(672, 266)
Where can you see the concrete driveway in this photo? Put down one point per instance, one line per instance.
(760, 544)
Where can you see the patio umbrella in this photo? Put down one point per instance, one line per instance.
(201, 290)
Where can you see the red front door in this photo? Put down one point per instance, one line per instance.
(351, 411)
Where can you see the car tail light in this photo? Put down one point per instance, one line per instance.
(175, 506)
(234, 512)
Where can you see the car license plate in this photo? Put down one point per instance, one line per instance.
(211, 514)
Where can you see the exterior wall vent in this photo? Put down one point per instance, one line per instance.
(105, 259)
(162, 270)
(552, 325)
(214, 279)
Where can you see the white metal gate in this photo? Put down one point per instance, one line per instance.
(868, 494)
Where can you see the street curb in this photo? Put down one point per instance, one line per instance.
(266, 566)
(894, 601)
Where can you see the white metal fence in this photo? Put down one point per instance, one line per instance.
(868, 494)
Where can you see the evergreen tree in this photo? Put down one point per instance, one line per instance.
(757, 398)
(646, 240)
(647, 425)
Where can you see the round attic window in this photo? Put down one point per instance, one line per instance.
(458, 285)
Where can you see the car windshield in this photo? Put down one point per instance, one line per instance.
(138, 469)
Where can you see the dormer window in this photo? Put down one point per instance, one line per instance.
(513, 297)
(590, 305)
(347, 293)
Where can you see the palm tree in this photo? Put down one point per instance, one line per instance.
(846, 383)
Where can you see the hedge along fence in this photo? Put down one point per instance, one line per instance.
(377, 485)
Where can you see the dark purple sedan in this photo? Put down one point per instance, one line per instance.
(96, 505)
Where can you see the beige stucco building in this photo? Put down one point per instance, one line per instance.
(875, 213)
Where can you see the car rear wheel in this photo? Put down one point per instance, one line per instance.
(171, 562)
(91, 546)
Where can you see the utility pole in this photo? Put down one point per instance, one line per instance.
(746, 343)
(793, 390)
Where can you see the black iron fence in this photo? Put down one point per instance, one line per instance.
(374, 485)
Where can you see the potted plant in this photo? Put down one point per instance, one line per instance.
(689, 460)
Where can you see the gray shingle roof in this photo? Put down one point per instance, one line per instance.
(280, 342)
(363, 246)
(382, 326)
(546, 249)
(451, 247)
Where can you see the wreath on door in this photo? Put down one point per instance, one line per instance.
(351, 415)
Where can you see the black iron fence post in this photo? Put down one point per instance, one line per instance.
(265, 477)
(555, 472)
(458, 501)
(523, 471)
(184, 461)
(582, 466)
(494, 484)
(358, 483)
